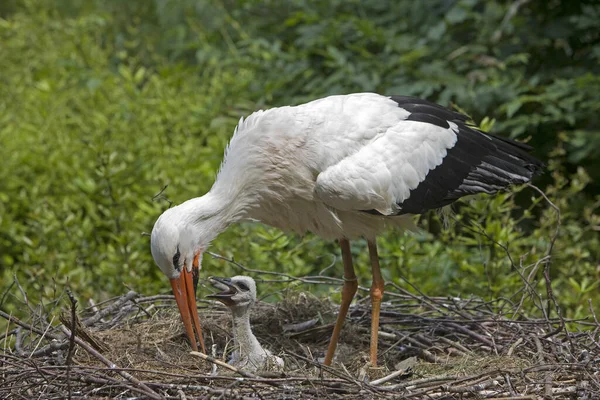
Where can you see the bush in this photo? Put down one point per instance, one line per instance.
(106, 103)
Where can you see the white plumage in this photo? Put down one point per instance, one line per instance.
(342, 167)
(239, 295)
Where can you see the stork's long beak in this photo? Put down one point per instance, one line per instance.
(184, 289)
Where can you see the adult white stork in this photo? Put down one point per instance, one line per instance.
(342, 167)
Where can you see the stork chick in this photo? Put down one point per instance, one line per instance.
(239, 294)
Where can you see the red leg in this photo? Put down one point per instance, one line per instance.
(376, 295)
(348, 292)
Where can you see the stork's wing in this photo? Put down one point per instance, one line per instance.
(426, 161)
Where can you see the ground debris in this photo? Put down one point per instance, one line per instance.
(430, 348)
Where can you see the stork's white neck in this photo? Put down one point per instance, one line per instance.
(215, 211)
(244, 340)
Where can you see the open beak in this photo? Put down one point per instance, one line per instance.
(184, 289)
(227, 290)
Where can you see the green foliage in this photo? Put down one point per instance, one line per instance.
(106, 102)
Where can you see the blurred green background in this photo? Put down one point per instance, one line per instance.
(103, 103)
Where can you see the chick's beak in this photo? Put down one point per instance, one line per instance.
(227, 290)
(184, 289)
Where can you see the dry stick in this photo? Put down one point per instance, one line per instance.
(71, 340)
(326, 368)
(474, 335)
(389, 377)
(551, 297)
(25, 298)
(554, 367)
(113, 307)
(149, 392)
(94, 307)
(593, 313)
(181, 387)
(17, 321)
(42, 337)
(257, 379)
(424, 353)
(416, 383)
(444, 387)
(150, 299)
(18, 339)
(530, 289)
(146, 311)
(531, 397)
(107, 380)
(424, 299)
(511, 388)
(462, 349)
(223, 364)
(548, 374)
(49, 348)
(514, 346)
(474, 388)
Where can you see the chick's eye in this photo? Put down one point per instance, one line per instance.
(243, 286)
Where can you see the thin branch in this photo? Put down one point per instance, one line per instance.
(71, 340)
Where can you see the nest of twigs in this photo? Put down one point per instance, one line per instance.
(429, 348)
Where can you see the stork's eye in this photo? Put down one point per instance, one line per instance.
(243, 286)
(176, 259)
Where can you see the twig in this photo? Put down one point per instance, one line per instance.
(161, 196)
(474, 388)
(17, 321)
(389, 377)
(423, 352)
(214, 355)
(461, 349)
(514, 346)
(419, 382)
(25, 298)
(110, 309)
(18, 340)
(474, 335)
(42, 337)
(71, 340)
(328, 369)
(593, 312)
(511, 388)
(547, 375)
(220, 363)
(149, 392)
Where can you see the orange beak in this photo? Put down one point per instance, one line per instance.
(184, 289)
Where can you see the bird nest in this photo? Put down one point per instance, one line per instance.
(134, 346)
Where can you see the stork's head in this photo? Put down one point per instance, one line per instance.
(177, 242)
(238, 292)
(179, 237)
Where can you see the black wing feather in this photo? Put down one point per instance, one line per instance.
(478, 163)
